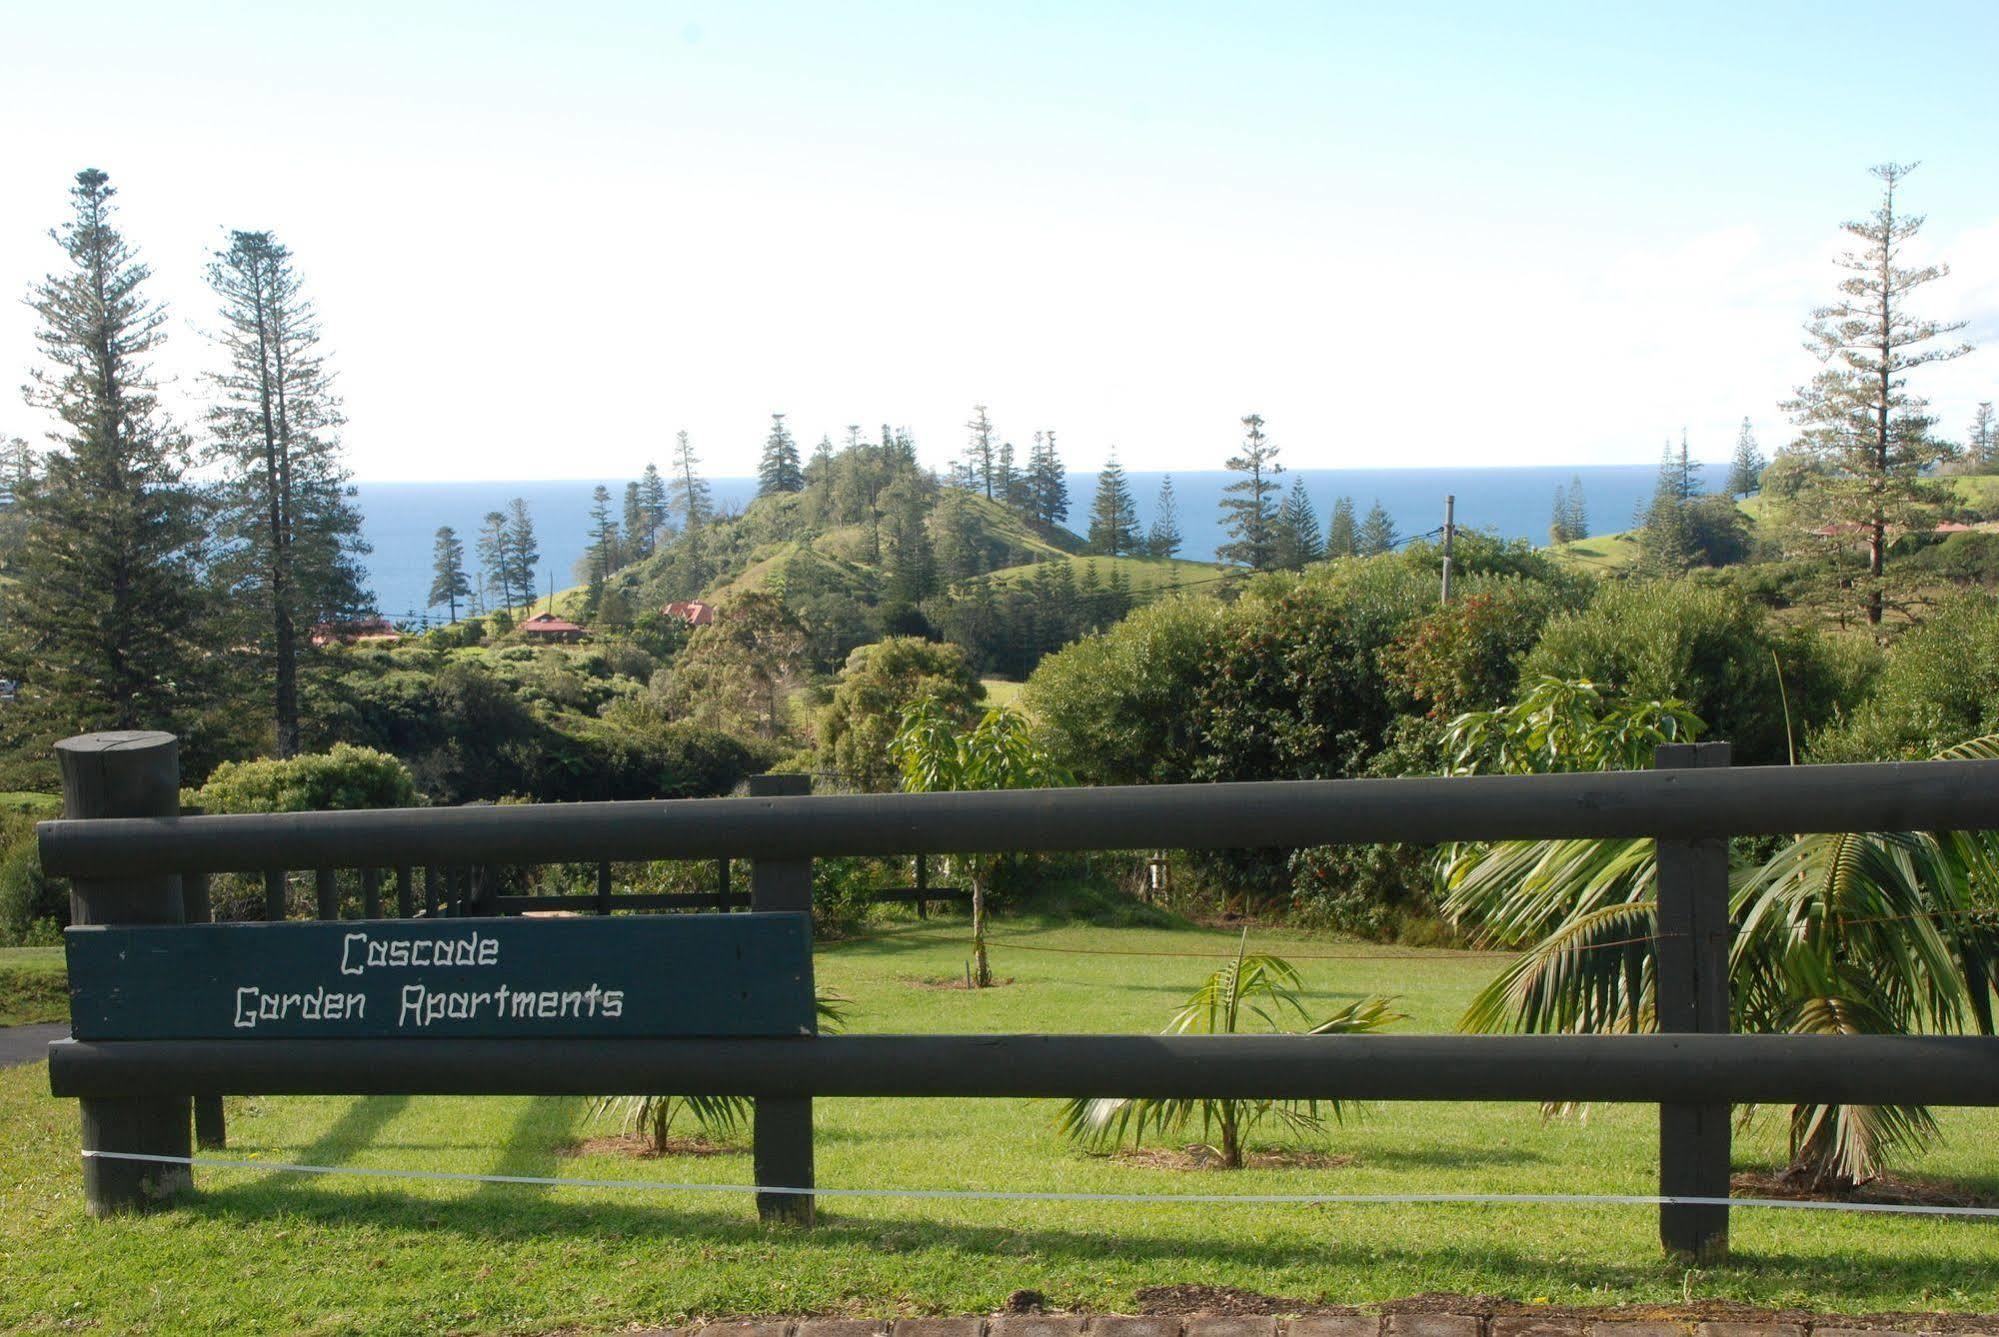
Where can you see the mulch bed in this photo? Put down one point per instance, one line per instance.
(950, 982)
(642, 1149)
(1885, 1189)
(1204, 1158)
(1231, 1302)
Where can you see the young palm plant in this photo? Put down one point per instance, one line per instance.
(1869, 932)
(718, 1117)
(1256, 985)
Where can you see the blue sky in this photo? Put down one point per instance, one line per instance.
(543, 238)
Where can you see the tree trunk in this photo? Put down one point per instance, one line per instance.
(982, 972)
(1231, 1138)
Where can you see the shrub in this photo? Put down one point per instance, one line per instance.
(1466, 654)
(28, 897)
(1114, 708)
(345, 777)
(1710, 647)
(1940, 684)
(881, 682)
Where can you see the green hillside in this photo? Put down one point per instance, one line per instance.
(1147, 576)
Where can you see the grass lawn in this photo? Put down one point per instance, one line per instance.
(33, 985)
(268, 1251)
(1601, 553)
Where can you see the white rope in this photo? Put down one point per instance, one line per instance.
(1000, 1195)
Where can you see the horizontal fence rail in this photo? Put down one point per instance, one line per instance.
(136, 861)
(1649, 1069)
(1670, 804)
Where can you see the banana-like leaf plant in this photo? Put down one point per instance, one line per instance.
(934, 755)
(1253, 985)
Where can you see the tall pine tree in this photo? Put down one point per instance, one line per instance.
(1047, 484)
(448, 583)
(1745, 469)
(981, 467)
(1377, 532)
(780, 470)
(1870, 436)
(1342, 537)
(1113, 514)
(290, 536)
(652, 503)
(1164, 538)
(1298, 541)
(522, 550)
(1982, 441)
(1578, 512)
(1249, 508)
(105, 625)
(602, 555)
(688, 495)
(494, 559)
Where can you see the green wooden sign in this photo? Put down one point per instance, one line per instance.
(651, 975)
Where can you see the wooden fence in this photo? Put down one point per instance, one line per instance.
(130, 855)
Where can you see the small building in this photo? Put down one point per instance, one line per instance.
(374, 629)
(550, 629)
(694, 612)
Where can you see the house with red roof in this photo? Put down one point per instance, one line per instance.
(694, 612)
(548, 629)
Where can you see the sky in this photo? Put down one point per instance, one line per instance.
(543, 238)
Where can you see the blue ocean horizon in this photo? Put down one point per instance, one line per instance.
(400, 520)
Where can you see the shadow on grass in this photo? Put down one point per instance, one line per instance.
(533, 1146)
(355, 1128)
(514, 1213)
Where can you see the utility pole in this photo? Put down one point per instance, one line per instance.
(1450, 528)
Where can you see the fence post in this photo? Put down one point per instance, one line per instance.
(1692, 996)
(197, 907)
(127, 774)
(782, 1150)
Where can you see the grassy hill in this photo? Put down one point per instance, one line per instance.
(1147, 576)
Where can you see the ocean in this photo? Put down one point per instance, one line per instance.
(400, 520)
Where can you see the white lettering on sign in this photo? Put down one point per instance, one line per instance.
(254, 1005)
(423, 1006)
(361, 952)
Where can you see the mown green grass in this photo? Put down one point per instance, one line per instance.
(267, 1251)
(33, 985)
(1599, 552)
(1146, 575)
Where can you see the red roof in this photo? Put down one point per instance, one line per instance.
(696, 612)
(550, 625)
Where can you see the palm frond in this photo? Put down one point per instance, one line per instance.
(1257, 985)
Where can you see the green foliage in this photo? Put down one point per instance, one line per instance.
(1114, 707)
(1709, 647)
(105, 618)
(718, 1117)
(344, 777)
(1881, 933)
(1254, 985)
(1466, 654)
(28, 897)
(935, 755)
(878, 686)
(1249, 504)
(736, 673)
(1582, 910)
(1939, 684)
